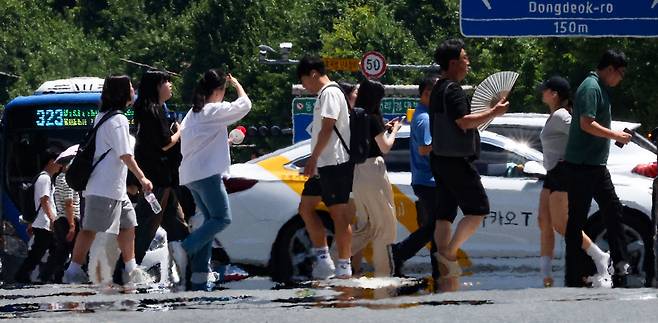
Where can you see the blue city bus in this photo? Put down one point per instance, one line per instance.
(58, 115)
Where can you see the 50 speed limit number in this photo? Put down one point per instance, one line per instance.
(373, 65)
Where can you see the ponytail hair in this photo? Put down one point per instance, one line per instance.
(569, 106)
(210, 81)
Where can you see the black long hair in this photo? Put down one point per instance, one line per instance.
(210, 81)
(148, 95)
(116, 93)
(370, 96)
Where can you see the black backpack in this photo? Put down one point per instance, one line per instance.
(83, 165)
(26, 199)
(359, 133)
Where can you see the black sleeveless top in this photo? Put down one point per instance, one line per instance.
(448, 103)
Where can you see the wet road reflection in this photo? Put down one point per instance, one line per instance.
(351, 296)
(321, 294)
(23, 310)
(260, 293)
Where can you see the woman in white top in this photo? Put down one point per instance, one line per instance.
(206, 160)
(553, 203)
(107, 207)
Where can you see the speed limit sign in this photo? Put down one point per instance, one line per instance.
(373, 65)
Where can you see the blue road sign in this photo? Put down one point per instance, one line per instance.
(559, 18)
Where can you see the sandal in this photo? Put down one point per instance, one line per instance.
(448, 268)
(548, 281)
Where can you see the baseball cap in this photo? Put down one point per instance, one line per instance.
(557, 84)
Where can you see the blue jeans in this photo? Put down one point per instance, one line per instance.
(212, 200)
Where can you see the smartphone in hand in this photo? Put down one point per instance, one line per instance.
(628, 131)
(389, 125)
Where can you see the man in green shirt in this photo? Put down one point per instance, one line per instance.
(586, 156)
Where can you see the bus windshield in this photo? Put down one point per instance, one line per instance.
(28, 130)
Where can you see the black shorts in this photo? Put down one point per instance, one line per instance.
(312, 187)
(459, 185)
(428, 203)
(333, 183)
(556, 179)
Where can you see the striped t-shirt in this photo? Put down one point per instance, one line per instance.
(62, 193)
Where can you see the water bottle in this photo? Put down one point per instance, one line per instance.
(155, 205)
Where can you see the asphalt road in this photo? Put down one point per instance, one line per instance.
(496, 290)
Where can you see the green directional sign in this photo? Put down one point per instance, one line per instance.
(398, 106)
(302, 113)
(388, 106)
(303, 105)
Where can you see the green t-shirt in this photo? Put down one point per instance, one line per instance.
(592, 100)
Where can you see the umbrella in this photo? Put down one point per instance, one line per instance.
(67, 155)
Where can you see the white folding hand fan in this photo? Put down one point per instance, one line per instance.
(490, 91)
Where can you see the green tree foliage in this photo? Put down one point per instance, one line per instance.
(48, 39)
(38, 44)
(365, 28)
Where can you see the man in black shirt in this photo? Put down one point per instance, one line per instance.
(455, 144)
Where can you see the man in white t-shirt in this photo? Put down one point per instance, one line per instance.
(42, 226)
(329, 170)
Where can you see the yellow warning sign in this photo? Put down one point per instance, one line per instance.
(341, 64)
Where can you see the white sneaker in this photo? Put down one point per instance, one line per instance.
(75, 277)
(344, 270)
(600, 281)
(234, 273)
(214, 277)
(137, 277)
(180, 258)
(324, 267)
(603, 264)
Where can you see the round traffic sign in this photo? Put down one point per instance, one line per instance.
(373, 64)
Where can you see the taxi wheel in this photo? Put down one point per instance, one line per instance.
(639, 243)
(291, 258)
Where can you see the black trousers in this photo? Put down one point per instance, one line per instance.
(60, 251)
(171, 219)
(425, 210)
(42, 241)
(587, 182)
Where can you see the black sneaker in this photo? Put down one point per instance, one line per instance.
(619, 278)
(394, 262)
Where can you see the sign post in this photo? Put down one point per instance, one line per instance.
(373, 65)
(559, 18)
